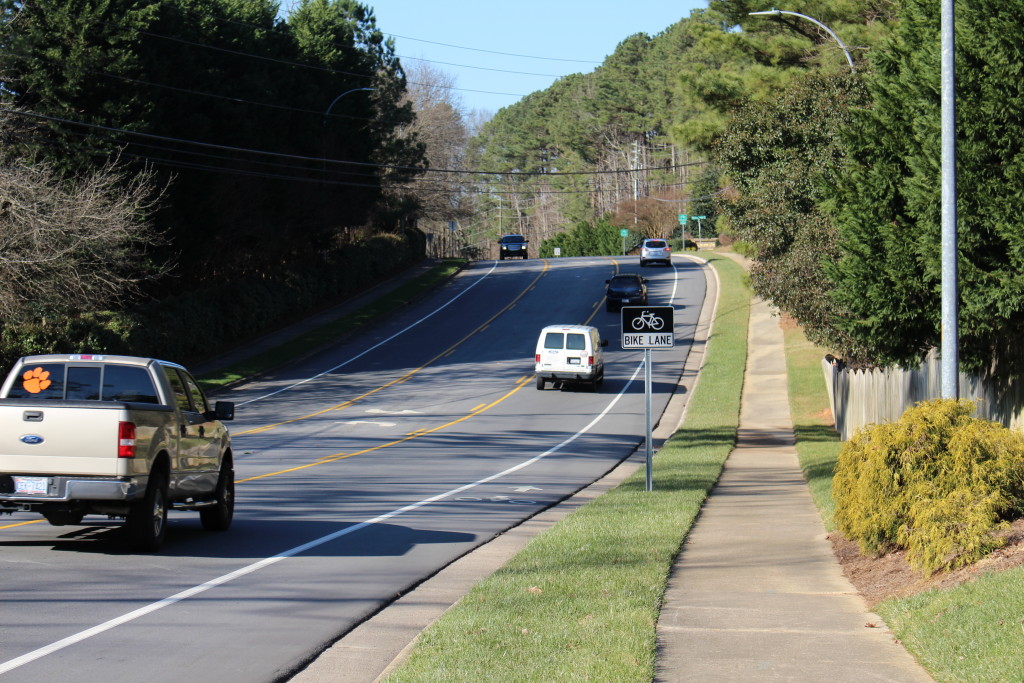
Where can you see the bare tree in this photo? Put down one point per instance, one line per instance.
(440, 125)
(72, 246)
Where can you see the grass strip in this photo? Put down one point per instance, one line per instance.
(332, 331)
(581, 601)
(817, 441)
(973, 632)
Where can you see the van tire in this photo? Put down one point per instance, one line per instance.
(540, 383)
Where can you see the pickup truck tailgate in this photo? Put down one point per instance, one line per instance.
(58, 437)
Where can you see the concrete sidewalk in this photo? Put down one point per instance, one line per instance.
(756, 593)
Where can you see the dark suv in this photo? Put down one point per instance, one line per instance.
(512, 245)
(625, 288)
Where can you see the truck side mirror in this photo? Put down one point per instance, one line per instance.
(224, 410)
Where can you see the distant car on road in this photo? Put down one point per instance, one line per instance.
(625, 289)
(512, 245)
(654, 250)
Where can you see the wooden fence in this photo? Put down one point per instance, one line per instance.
(862, 397)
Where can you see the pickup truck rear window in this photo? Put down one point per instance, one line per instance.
(57, 381)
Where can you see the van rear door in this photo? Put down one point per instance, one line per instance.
(564, 351)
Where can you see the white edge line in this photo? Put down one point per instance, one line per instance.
(266, 562)
(378, 345)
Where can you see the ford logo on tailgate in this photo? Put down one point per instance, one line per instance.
(32, 439)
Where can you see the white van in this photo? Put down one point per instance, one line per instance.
(570, 354)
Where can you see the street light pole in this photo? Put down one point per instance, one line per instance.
(778, 12)
(327, 113)
(950, 362)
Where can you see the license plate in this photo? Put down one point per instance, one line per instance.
(574, 361)
(625, 301)
(32, 486)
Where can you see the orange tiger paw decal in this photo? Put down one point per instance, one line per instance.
(36, 380)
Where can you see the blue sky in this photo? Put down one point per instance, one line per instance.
(555, 30)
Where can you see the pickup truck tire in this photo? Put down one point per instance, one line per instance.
(219, 516)
(147, 519)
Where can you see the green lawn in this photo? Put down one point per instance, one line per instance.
(581, 601)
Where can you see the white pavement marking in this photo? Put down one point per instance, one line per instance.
(12, 664)
(376, 346)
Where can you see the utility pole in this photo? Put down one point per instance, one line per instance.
(636, 183)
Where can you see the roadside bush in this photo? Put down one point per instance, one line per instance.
(938, 483)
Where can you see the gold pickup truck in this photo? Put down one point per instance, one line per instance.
(119, 436)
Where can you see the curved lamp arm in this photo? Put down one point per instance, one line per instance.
(778, 12)
(335, 101)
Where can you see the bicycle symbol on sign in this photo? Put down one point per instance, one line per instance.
(649, 320)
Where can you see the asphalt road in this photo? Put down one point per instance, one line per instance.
(361, 472)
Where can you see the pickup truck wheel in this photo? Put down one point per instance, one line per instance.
(147, 519)
(219, 516)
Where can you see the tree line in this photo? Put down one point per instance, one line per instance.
(241, 144)
(828, 174)
(208, 141)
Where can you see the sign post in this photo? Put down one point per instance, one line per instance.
(623, 233)
(700, 226)
(648, 327)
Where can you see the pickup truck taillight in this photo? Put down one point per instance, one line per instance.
(126, 440)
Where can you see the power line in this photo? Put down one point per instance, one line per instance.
(314, 67)
(298, 157)
(493, 52)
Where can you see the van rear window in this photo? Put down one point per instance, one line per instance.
(57, 381)
(576, 341)
(554, 340)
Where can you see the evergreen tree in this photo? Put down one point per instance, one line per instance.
(887, 202)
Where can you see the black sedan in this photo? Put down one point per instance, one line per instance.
(625, 289)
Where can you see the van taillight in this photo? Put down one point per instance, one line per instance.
(537, 357)
(126, 440)
(590, 360)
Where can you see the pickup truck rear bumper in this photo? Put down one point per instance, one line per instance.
(64, 488)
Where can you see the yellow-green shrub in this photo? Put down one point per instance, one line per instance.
(938, 482)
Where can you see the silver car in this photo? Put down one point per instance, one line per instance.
(655, 250)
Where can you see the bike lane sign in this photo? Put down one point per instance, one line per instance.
(648, 327)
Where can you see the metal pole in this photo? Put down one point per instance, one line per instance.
(777, 12)
(647, 419)
(950, 278)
